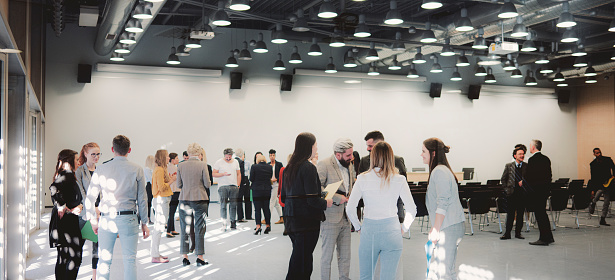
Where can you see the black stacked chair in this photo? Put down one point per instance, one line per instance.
(493, 182)
(580, 201)
(421, 208)
(479, 204)
(558, 201)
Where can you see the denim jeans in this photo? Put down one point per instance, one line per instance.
(192, 213)
(161, 204)
(108, 229)
(228, 194)
(380, 238)
(442, 264)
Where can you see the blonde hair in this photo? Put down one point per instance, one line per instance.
(204, 155)
(382, 157)
(149, 162)
(260, 158)
(161, 160)
(194, 149)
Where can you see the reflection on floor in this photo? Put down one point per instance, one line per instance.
(585, 253)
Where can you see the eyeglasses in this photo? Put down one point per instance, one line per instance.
(96, 154)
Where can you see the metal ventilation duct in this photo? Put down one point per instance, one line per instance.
(114, 16)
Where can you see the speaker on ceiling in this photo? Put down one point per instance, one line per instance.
(84, 73)
(563, 96)
(474, 92)
(286, 82)
(435, 90)
(236, 79)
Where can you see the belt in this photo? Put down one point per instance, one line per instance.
(119, 213)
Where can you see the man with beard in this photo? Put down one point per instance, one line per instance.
(602, 169)
(514, 186)
(335, 230)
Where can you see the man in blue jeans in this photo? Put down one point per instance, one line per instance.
(121, 185)
(228, 172)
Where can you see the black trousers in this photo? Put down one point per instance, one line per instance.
(516, 205)
(172, 209)
(301, 261)
(69, 261)
(261, 202)
(244, 198)
(539, 204)
(150, 196)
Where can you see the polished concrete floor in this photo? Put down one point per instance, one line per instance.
(585, 253)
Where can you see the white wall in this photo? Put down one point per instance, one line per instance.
(171, 112)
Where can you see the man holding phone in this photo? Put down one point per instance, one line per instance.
(228, 172)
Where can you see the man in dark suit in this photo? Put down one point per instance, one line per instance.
(274, 203)
(602, 169)
(513, 183)
(244, 189)
(538, 177)
(371, 139)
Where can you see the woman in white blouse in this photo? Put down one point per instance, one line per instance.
(381, 235)
(445, 211)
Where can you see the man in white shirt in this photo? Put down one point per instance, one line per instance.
(335, 230)
(121, 185)
(228, 172)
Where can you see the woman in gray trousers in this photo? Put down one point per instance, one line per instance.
(193, 180)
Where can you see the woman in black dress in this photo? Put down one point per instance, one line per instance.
(260, 176)
(64, 230)
(304, 206)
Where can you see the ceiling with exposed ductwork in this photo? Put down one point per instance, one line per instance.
(396, 44)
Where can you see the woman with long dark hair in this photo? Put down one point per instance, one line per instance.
(88, 158)
(64, 230)
(260, 176)
(380, 187)
(445, 212)
(304, 206)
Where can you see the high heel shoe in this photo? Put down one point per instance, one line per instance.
(258, 231)
(200, 262)
(267, 230)
(185, 262)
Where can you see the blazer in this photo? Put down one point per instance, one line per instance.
(278, 166)
(193, 180)
(301, 195)
(538, 173)
(260, 176)
(329, 172)
(242, 167)
(601, 170)
(83, 176)
(64, 192)
(508, 177)
(443, 197)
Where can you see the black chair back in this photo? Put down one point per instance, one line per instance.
(480, 202)
(581, 199)
(559, 199)
(419, 200)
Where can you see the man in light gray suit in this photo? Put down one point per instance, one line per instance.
(335, 230)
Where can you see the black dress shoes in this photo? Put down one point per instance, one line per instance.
(504, 237)
(540, 243)
(185, 262)
(200, 262)
(519, 236)
(603, 222)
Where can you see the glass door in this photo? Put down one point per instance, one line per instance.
(33, 190)
(3, 189)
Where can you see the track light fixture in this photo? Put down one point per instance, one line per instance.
(562, 84)
(447, 50)
(559, 77)
(464, 24)
(462, 60)
(479, 42)
(134, 25)
(245, 53)
(612, 25)
(480, 72)
(221, 17)
(331, 67)
(542, 60)
(591, 80)
(435, 67)
(373, 70)
(372, 54)
(490, 78)
(578, 50)
(121, 48)
(116, 57)
(231, 62)
(546, 70)
(412, 74)
(295, 57)
(398, 45)
(337, 41)
(509, 64)
(182, 51)
(143, 11)
(193, 44)
(279, 64)
(277, 36)
(508, 10)
(349, 61)
(128, 38)
(566, 19)
(301, 25)
(418, 57)
(173, 58)
(327, 10)
(529, 79)
(362, 31)
(570, 36)
(428, 35)
(528, 46)
(519, 30)
(516, 74)
(394, 64)
(240, 5)
(590, 71)
(314, 48)
(456, 75)
(260, 46)
(431, 4)
(580, 62)
(393, 16)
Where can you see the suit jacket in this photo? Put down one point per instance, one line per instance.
(242, 167)
(538, 174)
(509, 181)
(278, 166)
(601, 170)
(193, 180)
(329, 172)
(401, 166)
(301, 195)
(260, 176)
